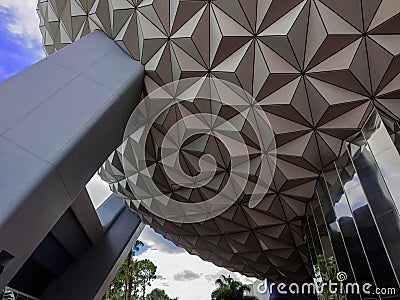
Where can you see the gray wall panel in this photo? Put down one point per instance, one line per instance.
(19, 96)
(83, 55)
(95, 265)
(46, 130)
(87, 216)
(57, 127)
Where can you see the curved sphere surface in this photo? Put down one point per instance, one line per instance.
(317, 68)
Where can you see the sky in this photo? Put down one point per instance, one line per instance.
(20, 39)
(178, 273)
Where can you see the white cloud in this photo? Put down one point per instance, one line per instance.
(155, 241)
(186, 275)
(26, 20)
(236, 276)
(202, 274)
(98, 190)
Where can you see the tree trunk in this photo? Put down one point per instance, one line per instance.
(129, 276)
(108, 293)
(144, 291)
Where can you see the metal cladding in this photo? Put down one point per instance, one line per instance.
(316, 67)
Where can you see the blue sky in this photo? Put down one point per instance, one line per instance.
(16, 52)
(180, 274)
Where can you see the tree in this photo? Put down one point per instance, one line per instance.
(144, 272)
(230, 289)
(159, 294)
(7, 295)
(132, 279)
(129, 272)
(326, 271)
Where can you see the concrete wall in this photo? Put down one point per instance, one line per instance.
(59, 120)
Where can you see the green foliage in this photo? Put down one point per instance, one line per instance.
(327, 270)
(159, 294)
(230, 289)
(7, 295)
(144, 271)
(132, 279)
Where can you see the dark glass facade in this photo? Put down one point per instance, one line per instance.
(353, 219)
